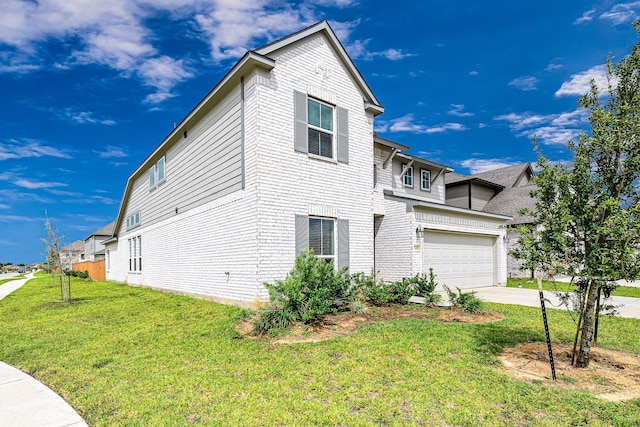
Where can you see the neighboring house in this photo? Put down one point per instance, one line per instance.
(502, 191)
(72, 253)
(94, 242)
(280, 156)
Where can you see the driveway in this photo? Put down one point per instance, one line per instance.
(629, 307)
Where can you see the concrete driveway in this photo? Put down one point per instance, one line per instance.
(629, 307)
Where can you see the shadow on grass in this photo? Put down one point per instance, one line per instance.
(495, 337)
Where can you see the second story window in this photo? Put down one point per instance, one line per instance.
(320, 120)
(133, 220)
(425, 180)
(156, 173)
(407, 180)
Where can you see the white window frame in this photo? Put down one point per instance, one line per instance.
(331, 133)
(157, 173)
(328, 257)
(422, 179)
(135, 254)
(407, 179)
(133, 220)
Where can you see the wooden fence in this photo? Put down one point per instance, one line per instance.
(96, 269)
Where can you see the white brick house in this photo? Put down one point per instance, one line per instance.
(277, 157)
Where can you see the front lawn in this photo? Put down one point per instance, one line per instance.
(129, 356)
(548, 285)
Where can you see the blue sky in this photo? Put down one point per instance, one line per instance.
(89, 88)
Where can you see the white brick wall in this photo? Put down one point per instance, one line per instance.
(293, 183)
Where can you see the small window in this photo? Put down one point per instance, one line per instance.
(408, 177)
(156, 173)
(322, 238)
(320, 121)
(425, 179)
(160, 169)
(133, 220)
(152, 176)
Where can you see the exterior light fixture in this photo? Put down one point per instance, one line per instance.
(419, 233)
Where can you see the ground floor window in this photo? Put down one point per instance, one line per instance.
(135, 253)
(322, 238)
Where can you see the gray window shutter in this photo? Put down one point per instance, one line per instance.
(301, 129)
(343, 243)
(343, 135)
(302, 233)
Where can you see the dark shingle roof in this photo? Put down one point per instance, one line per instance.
(107, 230)
(510, 200)
(506, 177)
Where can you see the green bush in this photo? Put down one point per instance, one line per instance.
(379, 292)
(273, 317)
(76, 273)
(312, 289)
(468, 301)
(426, 286)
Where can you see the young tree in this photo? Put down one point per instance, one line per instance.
(588, 211)
(53, 246)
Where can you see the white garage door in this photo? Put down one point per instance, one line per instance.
(459, 260)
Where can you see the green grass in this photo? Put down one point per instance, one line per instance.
(129, 356)
(548, 285)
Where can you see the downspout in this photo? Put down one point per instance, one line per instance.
(469, 184)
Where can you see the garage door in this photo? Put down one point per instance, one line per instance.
(459, 260)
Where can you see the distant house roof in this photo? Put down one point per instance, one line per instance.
(511, 196)
(510, 201)
(507, 177)
(107, 230)
(77, 246)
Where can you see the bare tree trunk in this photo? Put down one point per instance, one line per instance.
(588, 326)
(65, 295)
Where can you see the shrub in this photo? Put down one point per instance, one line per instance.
(76, 273)
(426, 286)
(379, 292)
(468, 301)
(312, 289)
(273, 317)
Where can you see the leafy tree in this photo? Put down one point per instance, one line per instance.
(588, 211)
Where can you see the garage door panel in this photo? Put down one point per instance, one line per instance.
(459, 260)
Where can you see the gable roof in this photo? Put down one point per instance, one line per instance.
(257, 58)
(510, 201)
(371, 102)
(106, 230)
(507, 177)
(77, 246)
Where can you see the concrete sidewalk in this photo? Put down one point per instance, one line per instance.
(629, 307)
(26, 402)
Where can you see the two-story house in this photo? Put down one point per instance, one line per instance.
(276, 158)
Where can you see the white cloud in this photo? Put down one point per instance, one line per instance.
(580, 83)
(621, 13)
(550, 129)
(3, 206)
(407, 124)
(19, 150)
(458, 110)
(473, 73)
(553, 67)
(82, 117)
(111, 152)
(33, 185)
(586, 17)
(483, 165)
(524, 83)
